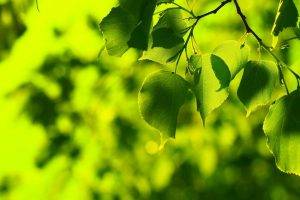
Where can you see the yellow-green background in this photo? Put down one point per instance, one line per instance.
(70, 126)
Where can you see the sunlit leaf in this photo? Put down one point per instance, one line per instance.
(160, 55)
(207, 89)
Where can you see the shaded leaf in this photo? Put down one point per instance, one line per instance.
(133, 7)
(166, 38)
(258, 84)
(140, 36)
(160, 98)
(282, 128)
(164, 1)
(287, 16)
(164, 51)
(221, 71)
(128, 25)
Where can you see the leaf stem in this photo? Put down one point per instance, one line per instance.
(37, 5)
(281, 78)
(290, 39)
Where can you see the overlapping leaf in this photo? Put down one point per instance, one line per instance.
(287, 16)
(164, 1)
(140, 36)
(163, 93)
(207, 88)
(128, 25)
(167, 37)
(116, 29)
(232, 54)
(258, 84)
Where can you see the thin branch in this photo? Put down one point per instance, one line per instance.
(252, 32)
(192, 27)
(214, 11)
(249, 30)
(293, 72)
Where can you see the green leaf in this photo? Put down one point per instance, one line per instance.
(258, 84)
(282, 128)
(287, 16)
(164, 1)
(163, 49)
(166, 38)
(193, 75)
(160, 55)
(235, 55)
(128, 25)
(133, 7)
(116, 28)
(172, 19)
(169, 30)
(160, 98)
(140, 36)
(207, 86)
(221, 71)
(197, 6)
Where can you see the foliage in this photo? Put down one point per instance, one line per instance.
(212, 73)
(70, 124)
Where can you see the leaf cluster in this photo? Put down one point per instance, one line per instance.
(208, 76)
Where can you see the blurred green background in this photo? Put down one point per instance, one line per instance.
(70, 126)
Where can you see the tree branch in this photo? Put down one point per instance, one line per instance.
(280, 63)
(251, 31)
(192, 27)
(248, 28)
(214, 11)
